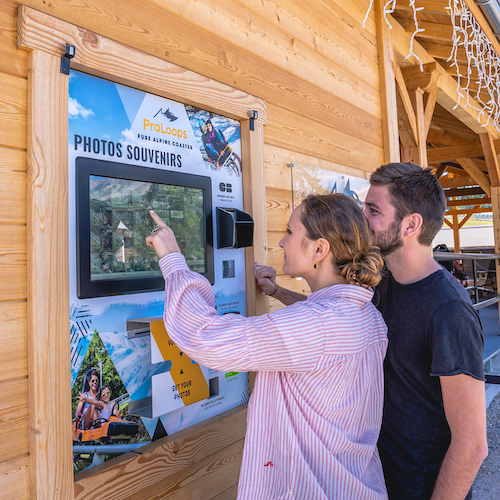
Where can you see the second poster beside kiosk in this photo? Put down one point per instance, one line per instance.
(129, 152)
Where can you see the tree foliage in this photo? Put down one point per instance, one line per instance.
(97, 353)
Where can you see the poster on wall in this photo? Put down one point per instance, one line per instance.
(130, 385)
(314, 180)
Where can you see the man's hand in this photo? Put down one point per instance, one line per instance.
(162, 239)
(266, 278)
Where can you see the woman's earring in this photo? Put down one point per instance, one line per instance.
(315, 265)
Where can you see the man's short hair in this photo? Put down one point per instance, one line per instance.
(414, 189)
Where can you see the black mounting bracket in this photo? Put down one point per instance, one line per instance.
(66, 58)
(253, 115)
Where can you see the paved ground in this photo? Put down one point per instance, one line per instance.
(487, 484)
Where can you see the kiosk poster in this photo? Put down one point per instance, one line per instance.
(130, 383)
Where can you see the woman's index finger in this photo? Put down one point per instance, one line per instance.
(157, 219)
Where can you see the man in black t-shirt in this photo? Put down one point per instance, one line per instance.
(433, 437)
(433, 332)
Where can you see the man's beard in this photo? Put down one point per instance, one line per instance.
(389, 240)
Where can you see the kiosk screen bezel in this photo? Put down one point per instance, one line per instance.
(87, 167)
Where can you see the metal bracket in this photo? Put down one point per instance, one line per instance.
(66, 58)
(291, 166)
(253, 115)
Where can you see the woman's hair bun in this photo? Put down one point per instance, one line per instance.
(364, 269)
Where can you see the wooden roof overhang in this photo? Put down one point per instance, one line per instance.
(432, 130)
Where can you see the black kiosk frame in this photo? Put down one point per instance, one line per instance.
(127, 281)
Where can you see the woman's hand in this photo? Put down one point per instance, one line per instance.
(83, 398)
(266, 278)
(162, 239)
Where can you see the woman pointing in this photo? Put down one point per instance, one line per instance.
(315, 411)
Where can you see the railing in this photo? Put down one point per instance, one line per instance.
(475, 288)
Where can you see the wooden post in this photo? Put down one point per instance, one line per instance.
(417, 97)
(387, 86)
(493, 166)
(456, 234)
(495, 207)
(51, 456)
(254, 202)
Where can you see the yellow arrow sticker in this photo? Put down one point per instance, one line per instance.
(188, 378)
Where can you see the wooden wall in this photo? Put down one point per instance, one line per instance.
(312, 62)
(14, 436)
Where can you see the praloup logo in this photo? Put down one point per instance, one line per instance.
(158, 126)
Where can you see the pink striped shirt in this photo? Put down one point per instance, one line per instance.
(315, 412)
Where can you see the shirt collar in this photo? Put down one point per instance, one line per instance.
(348, 292)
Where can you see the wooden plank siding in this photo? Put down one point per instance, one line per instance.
(14, 428)
(169, 461)
(12, 61)
(316, 68)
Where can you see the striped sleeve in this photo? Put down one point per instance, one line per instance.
(271, 342)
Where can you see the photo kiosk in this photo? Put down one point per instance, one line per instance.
(112, 220)
(130, 152)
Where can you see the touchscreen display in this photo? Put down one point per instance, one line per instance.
(120, 222)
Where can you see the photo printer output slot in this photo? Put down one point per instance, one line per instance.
(234, 228)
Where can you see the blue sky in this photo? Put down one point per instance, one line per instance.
(97, 107)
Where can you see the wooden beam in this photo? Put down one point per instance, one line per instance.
(447, 222)
(457, 171)
(449, 193)
(417, 97)
(430, 6)
(429, 110)
(387, 86)
(407, 133)
(405, 99)
(476, 173)
(440, 170)
(456, 233)
(464, 220)
(438, 135)
(51, 470)
(468, 202)
(456, 182)
(435, 31)
(427, 79)
(451, 153)
(491, 158)
(254, 202)
(443, 51)
(452, 70)
(468, 211)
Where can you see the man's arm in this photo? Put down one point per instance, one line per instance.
(266, 278)
(465, 408)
